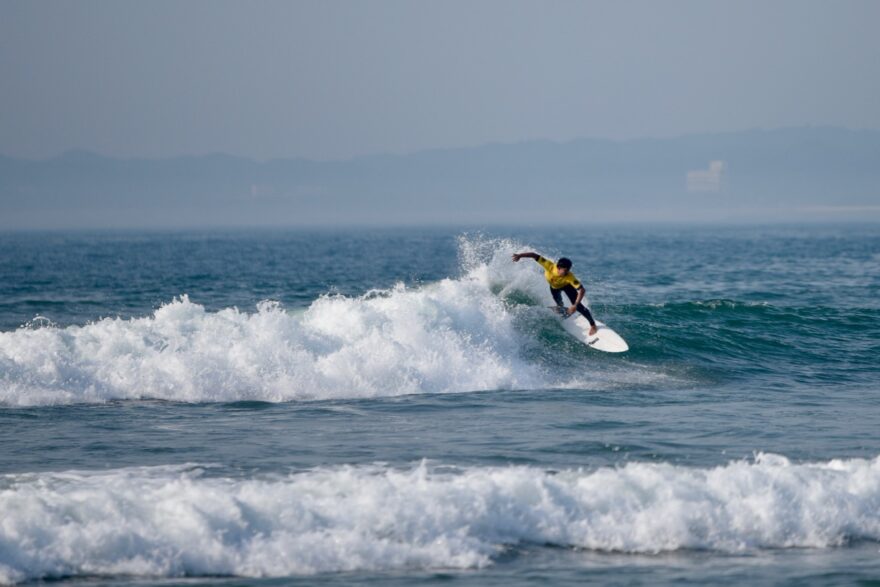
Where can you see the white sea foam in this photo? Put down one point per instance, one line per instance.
(173, 521)
(450, 336)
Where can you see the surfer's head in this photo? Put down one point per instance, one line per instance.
(563, 266)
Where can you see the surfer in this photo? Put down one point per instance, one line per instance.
(561, 279)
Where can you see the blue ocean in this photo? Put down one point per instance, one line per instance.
(400, 407)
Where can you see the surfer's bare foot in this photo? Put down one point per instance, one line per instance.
(593, 330)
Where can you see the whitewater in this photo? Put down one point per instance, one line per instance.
(172, 521)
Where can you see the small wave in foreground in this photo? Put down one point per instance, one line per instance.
(177, 521)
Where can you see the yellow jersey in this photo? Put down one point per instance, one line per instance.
(557, 281)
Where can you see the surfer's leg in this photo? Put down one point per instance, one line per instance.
(557, 296)
(583, 310)
(572, 294)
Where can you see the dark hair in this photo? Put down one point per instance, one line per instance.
(564, 263)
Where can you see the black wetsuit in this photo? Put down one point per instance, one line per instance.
(572, 294)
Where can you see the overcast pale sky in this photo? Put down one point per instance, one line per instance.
(330, 80)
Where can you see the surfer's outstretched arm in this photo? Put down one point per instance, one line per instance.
(517, 256)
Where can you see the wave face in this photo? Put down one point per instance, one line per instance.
(176, 521)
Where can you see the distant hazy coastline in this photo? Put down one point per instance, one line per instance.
(795, 174)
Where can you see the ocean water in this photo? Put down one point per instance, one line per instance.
(399, 407)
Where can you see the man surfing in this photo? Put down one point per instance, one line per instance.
(561, 279)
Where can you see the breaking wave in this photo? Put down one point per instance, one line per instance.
(458, 334)
(179, 521)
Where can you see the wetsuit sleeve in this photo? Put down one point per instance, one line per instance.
(545, 263)
(574, 282)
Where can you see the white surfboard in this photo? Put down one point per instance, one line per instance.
(605, 339)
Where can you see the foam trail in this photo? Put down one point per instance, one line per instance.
(173, 521)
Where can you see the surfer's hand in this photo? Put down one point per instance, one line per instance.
(572, 310)
(516, 257)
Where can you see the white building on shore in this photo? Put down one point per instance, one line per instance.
(707, 180)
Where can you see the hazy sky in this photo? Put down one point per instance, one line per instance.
(337, 79)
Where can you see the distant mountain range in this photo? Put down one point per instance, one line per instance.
(796, 174)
